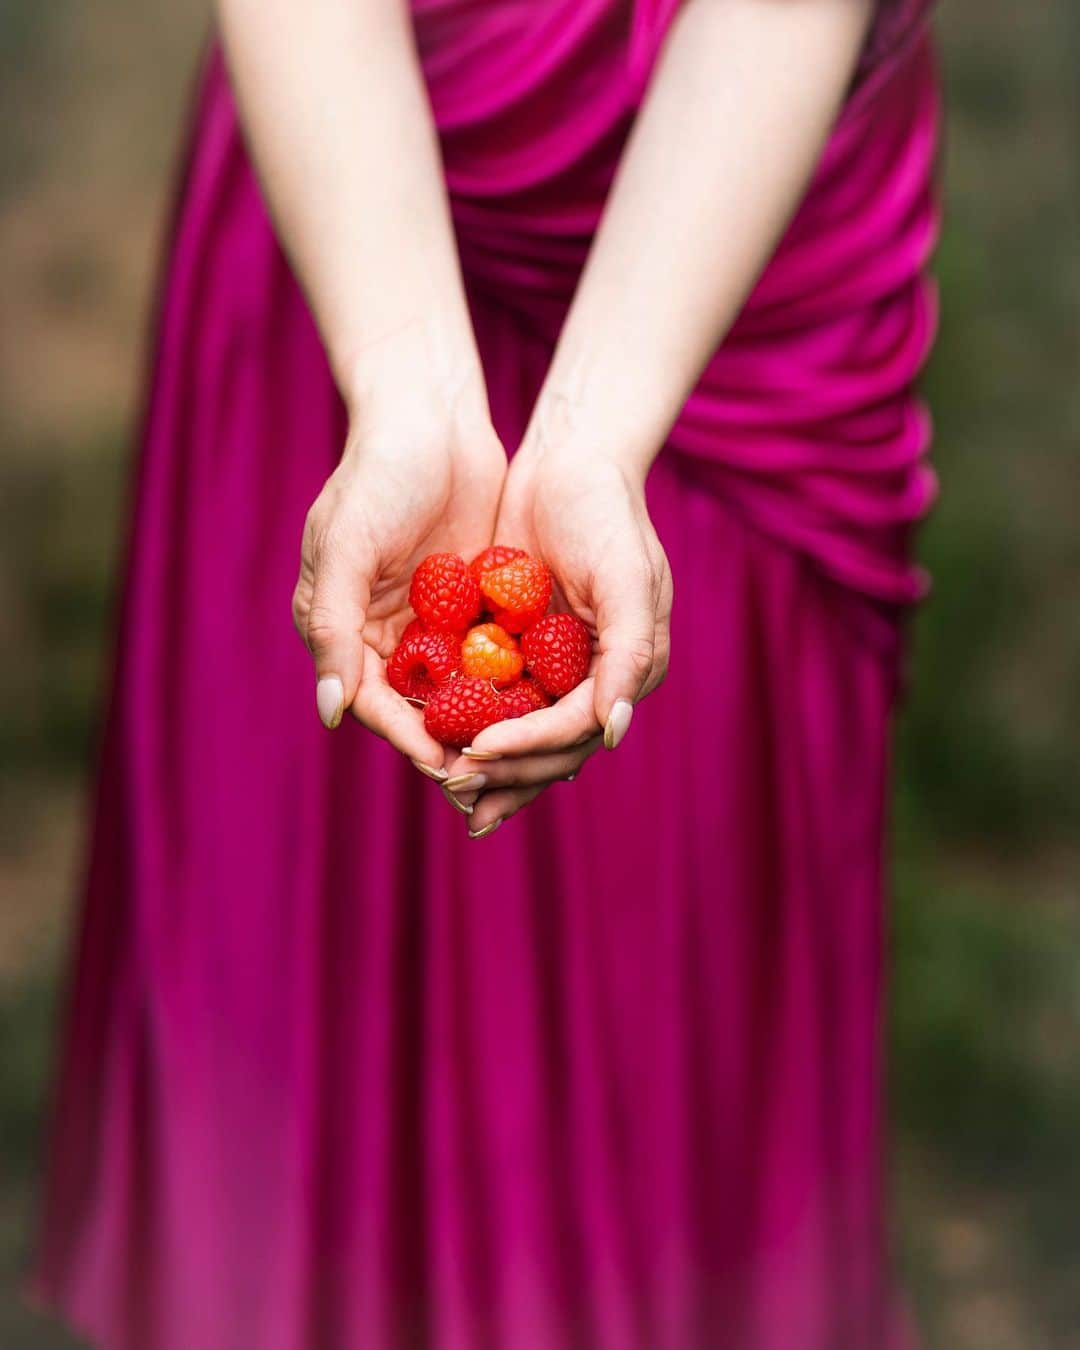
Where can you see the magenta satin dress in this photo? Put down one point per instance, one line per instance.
(337, 1078)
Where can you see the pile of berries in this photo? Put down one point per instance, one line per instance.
(483, 647)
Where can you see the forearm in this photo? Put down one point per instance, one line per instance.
(335, 110)
(732, 126)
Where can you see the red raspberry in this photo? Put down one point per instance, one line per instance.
(422, 660)
(413, 627)
(444, 592)
(493, 557)
(518, 593)
(523, 696)
(492, 654)
(460, 709)
(557, 653)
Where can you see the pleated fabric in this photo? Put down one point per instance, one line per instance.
(335, 1077)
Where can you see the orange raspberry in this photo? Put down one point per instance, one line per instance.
(518, 593)
(492, 654)
(494, 556)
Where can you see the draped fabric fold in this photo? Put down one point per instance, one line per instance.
(827, 348)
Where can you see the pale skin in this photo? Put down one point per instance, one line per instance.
(732, 125)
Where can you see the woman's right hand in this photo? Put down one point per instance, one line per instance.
(426, 478)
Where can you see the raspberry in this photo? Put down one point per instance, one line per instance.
(444, 592)
(493, 557)
(491, 653)
(421, 660)
(518, 593)
(461, 709)
(557, 653)
(413, 627)
(523, 696)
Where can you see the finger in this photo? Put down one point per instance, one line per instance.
(569, 722)
(387, 714)
(626, 637)
(494, 808)
(334, 621)
(467, 778)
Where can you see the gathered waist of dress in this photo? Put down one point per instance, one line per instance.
(806, 418)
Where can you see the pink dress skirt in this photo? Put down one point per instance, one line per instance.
(336, 1078)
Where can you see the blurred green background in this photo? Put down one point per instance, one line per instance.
(986, 1007)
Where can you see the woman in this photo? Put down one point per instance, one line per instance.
(336, 1074)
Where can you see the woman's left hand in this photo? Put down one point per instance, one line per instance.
(584, 514)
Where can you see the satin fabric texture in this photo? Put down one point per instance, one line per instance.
(335, 1077)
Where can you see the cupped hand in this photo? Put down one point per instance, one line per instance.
(412, 484)
(585, 515)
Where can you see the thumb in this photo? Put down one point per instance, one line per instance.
(332, 628)
(627, 628)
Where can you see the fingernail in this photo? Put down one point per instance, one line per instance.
(466, 782)
(438, 775)
(618, 723)
(479, 754)
(330, 701)
(463, 807)
(488, 829)
(570, 777)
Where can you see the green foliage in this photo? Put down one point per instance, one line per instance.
(985, 1015)
(26, 1021)
(59, 534)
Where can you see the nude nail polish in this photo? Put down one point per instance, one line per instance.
(488, 829)
(436, 775)
(479, 754)
(330, 701)
(618, 723)
(466, 782)
(463, 807)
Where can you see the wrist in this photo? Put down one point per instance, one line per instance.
(422, 386)
(564, 435)
(429, 365)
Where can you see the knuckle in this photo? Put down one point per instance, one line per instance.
(639, 653)
(323, 629)
(327, 534)
(314, 525)
(301, 606)
(329, 545)
(582, 727)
